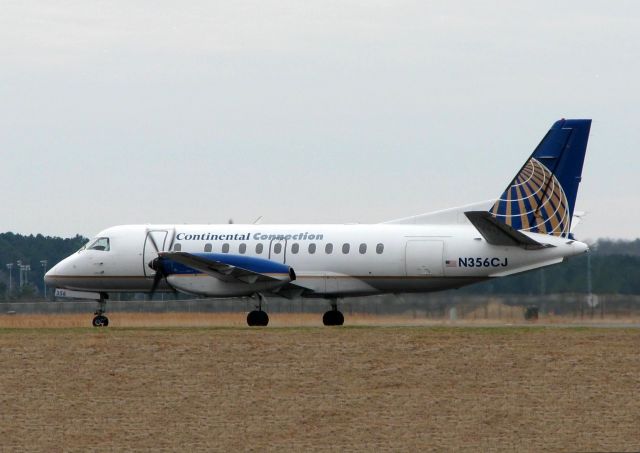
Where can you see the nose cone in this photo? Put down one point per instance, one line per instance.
(49, 277)
(56, 275)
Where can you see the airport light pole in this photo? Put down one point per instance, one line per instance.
(24, 273)
(44, 282)
(10, 267)
(20, 271)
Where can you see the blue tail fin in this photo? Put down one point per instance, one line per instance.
(543, 194)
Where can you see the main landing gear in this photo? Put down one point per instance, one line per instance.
(333, 317)
(100, 320)
(258, 317)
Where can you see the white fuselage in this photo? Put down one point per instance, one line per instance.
(348, 260)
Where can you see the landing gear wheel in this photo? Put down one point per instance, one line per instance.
(333, 318)
(257, 318)
(100, 321)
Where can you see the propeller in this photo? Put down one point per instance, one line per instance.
(157, 264)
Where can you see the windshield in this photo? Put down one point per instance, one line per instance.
(99, 244)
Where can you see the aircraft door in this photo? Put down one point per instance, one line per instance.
(278, 250)
(424, 258)
(160, 238)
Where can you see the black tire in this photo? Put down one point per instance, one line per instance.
(333, 318)
(100, 321)
(263, 318)
(257, 318)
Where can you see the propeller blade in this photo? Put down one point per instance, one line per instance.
(157, 265)
(156, 281)
(153, 241)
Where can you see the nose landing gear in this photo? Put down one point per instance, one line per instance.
(100, 320)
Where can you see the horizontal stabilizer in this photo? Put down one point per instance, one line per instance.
(499, 233)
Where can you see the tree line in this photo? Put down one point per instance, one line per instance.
(29, 256)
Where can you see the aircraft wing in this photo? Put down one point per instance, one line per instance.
(233, 267)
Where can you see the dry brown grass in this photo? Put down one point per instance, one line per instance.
(477, 317)
(199, 320)
(383, 388)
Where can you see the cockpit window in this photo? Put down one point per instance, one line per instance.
(99, 244)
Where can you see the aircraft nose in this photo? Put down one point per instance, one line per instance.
(49, 277)
(54, 276)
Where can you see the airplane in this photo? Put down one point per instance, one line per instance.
(527, 227)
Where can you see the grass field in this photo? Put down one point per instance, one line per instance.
(238, 319)
(350, 388)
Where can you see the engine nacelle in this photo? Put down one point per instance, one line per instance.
(207, 285)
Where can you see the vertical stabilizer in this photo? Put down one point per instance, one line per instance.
(542, 196)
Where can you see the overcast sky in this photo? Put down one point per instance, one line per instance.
(327, 111)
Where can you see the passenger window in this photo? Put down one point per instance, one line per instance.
(295, 248)
(259, 248)
(277, 248)
(243, 248)
(177, 247)
(345, 248)
(225, 247)
(362, 249)
(101, 244)
(379, 249)
(328, 249)
(312, 249)
(207, 247)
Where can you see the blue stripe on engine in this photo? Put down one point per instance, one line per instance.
(257, 265)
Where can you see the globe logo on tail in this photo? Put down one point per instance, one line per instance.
(534, 201)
